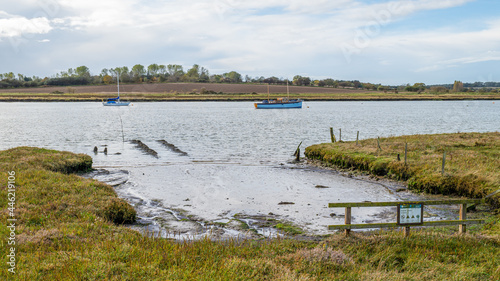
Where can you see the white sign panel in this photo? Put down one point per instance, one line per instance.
(410, 214)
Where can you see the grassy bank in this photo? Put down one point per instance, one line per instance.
(471, 167)
(65, 231)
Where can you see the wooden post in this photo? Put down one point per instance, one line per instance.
(297, 153)
(444, 161)
(357, 137)
(407, 231)
(347, 219)
(462, 216)
(406, 150)
(340, 134)
(123, 136)
(378, 143)
(332, 136)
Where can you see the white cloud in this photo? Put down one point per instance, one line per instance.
(441, 48)
(12, 26)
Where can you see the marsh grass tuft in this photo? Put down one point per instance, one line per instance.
(119, 211)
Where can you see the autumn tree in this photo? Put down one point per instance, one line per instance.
(301, 81)
(153, 69)
(216, 78)
(104, 72)
(107, 79)
(137, 72)
(193, 74)
(162, 72)
(231, 77)
(204, 75)
(82, 71)
(175, 72)
(458, 86)
(417, 87)
(122, 72)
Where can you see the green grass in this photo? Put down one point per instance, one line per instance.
(471, 168)
(64, 233)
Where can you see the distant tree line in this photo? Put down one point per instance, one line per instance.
(155, 73)
(456, 87)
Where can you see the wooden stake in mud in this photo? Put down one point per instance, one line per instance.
(332, 136)
(123, 136)
(297, 153)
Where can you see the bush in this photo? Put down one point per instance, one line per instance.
(118, 211)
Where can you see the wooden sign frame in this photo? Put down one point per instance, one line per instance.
(418, 220)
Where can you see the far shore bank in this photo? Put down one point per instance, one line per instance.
(232, 97)
(153, 92)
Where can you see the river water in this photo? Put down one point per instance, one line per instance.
(217, 161)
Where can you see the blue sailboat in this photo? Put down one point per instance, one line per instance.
(116, 101)
(279, 102)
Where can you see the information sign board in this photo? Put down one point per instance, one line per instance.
(410, 214)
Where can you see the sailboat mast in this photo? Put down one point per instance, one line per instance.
(118, 79)
(267, 91)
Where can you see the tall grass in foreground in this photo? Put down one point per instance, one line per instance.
(64, 233)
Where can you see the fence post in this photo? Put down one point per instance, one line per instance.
(462, 216)
(357, 137)
(340, 134)
(332, 136)
(407, 231)
(347, 219)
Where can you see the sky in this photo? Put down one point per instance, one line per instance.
(377, 41)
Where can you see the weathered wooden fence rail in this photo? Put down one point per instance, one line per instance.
(461, 222)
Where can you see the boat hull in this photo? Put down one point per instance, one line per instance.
(121, 103)
(283, 105)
